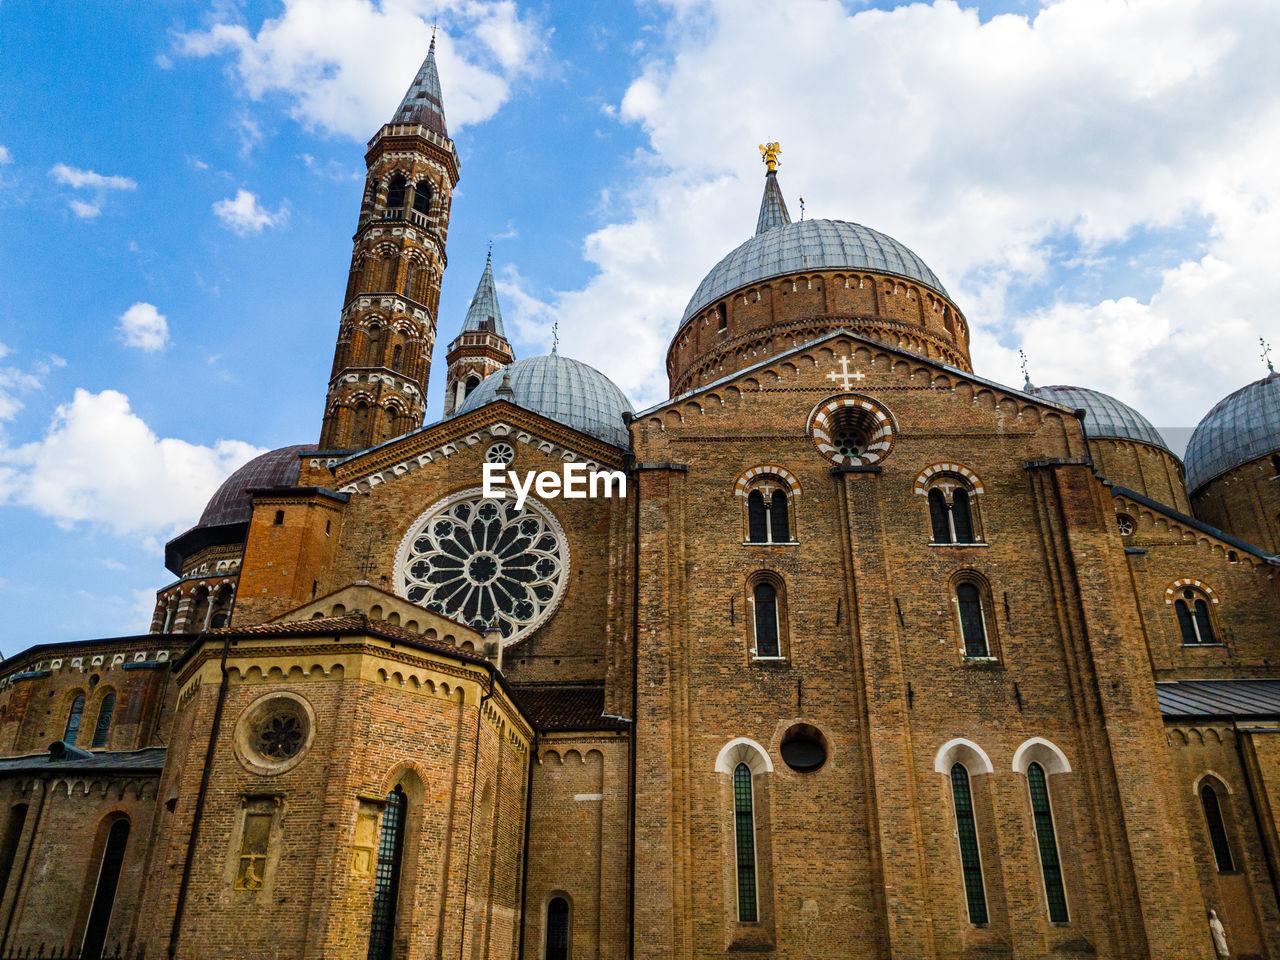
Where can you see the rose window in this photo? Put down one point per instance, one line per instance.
(500, 452)
(482, 561)
(280, 737)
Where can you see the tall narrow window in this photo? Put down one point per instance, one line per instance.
(9, 842)
(779, 528)
(722, 317)
(395, 198)
(972, 624)
(386, 883)
(766, 614)
(73, 721)
(472, 383)
(938, 516)
(744, 826)
(757, 522)
(967, 831)
(103, 727)
(558, 929)
(422, 198)
(961, 518)
(104, 896)
(1042, 813)
(1217, 829)
(1193, 619)
(396, 358)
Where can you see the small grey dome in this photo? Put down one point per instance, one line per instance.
(1104, 415)
(560, 389)
(1241, 427)
(809, 245)
(232, 503)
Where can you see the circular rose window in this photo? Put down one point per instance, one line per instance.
(481, 561)
(851, 430)
(274, 733)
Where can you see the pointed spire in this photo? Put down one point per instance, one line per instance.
(773, 209)
(422, 103)
(484, 314)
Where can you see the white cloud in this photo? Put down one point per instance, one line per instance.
(5, 155)
(344, 65)
(244, 215)
(101, 464)
(144, 327)
(15, 381)
(1006, 153)
(96, 183)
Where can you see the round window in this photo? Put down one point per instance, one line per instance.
(500, 452)
(852, 430)
(481, 560)
(1126, 525)
(804, 749)
(274, 733)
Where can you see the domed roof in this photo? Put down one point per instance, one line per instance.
(562, 389)
(1104, 415)
(809, 245)
(232, 503)
(1241, 427)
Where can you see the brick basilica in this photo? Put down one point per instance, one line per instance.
(875, 658)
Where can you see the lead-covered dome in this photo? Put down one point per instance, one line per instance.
(1104, 415)
(562, 389)
(232, 502)
(805, 246)
(1241, 427)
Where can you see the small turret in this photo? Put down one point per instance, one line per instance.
(481, 348)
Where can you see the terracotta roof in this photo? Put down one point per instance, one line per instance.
(567, 708)
(354, 623)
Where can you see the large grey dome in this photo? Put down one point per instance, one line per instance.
(809, 245)
(1104, 415)
(562, 389)
(1240, 428)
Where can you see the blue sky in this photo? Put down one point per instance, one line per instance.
(179, 182)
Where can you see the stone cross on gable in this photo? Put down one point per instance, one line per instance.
(843, 378)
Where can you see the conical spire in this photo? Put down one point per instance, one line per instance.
(422, 103)
(484, 314)
(773, 209)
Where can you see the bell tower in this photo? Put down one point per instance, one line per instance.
(378, 385)
(481, 348)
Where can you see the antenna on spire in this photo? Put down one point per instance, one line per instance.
(1266, 354)
(555, 337)
(1027, 385)
(802, 208)
(489, 258)
(433, 33)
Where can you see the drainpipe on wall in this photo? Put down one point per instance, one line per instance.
(524, 856)
(471, 820)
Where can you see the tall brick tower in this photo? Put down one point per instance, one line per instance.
(481, 348)
(378, 387)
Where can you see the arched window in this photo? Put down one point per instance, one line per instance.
(951, 511)
(967, 832)
(1193, 618)
(73, 721)
(386, 881)
(722, 317)
(103, 727)
(765, 619)
(744, 829)
(395, 197)
(360, 427)
(105, 880)
(558, 929)
(769, 511)
(1047, 841)
(472, 383)
(397, 358)
(1217, 829)
(422, 198)
(973, 621)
